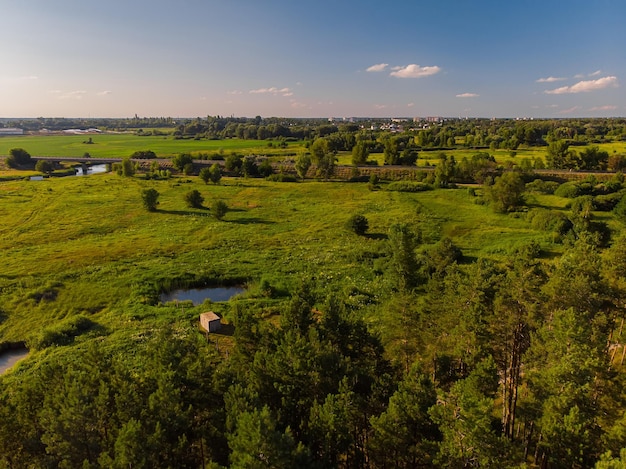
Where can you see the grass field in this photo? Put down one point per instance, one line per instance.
(122, 145)
(86, 245)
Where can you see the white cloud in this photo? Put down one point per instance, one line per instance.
(297, 105)
(603, 108)
(410, 105)
(549, 79)
(414, 71)
(586, 86)
(77, 94)
(235, 92)
(104, 93)
(29, 77)
(380, 106)
(596, 73)
(273, 90)
(377, 68)
(467, 95)
(570, 110)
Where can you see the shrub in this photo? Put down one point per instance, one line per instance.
(607, 202)
(150, 198)
(219, 209)
(620, 209)
(63, 333)
(568, 190)
(181, 160)
(358, 224)
(144, 155)
(281, 177)
(18, 157)
(194, 199)
(549, 220)
(408, 186)
(542, 187)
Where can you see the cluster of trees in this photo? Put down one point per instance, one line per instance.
(482, 364)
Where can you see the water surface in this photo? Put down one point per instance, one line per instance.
(10, 357)
(198, 295)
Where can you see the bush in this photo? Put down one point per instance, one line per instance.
(219, 209)
(408, 186)
(150, 198)
(357, 224)
(181, 161)
(282, 177)
(194, 199)
(620, 209)
(542, 187)
(607, 202)
(549, 220)
(63, 333)
(18, 157)
(144, 155)
(568, 190)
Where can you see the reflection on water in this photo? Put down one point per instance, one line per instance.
(10, 357)
(93, 169)
(198, 295)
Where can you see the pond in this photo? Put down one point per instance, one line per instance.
(198, 295)
(10, 357)
(93, 169)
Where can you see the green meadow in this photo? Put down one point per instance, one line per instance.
(120, 145)
(86, 246)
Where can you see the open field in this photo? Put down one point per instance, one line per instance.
(88, 245)
(120, 145)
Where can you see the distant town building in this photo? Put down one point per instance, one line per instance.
(11, 131)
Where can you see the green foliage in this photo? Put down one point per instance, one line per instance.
(44, 166)
(205, 174)
(233, 164)
(357, 224)
(542, 187)
(404, 435)
(568, 190)
(505, 194)
(445, 171)
(408, 186)
(63, 333)
(18, 157)
(265, 168)
(193, 199)
(360, 152)
(282, 177)
(620, 209)
(215, 173)
(323, 158)
(219, 209)
(181, 161)
(150, 199)
(303, 163)
(143, 155)
(403, 265)
(126, 168)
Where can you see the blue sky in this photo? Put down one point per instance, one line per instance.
(341, 58)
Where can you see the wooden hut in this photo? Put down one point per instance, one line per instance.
(210, 321)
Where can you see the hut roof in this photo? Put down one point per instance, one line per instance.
(210, 316)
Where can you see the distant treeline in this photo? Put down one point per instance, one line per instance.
(446, 133)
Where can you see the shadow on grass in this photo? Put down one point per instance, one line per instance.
(376, 236)
(205, 212)
(250, 221)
